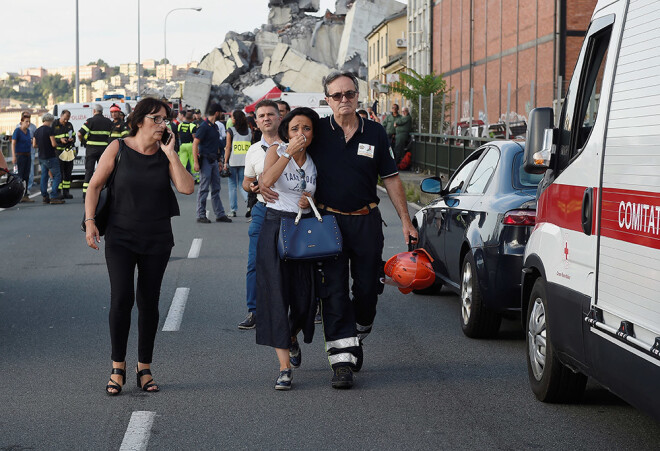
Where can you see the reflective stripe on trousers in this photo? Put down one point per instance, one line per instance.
(344, 357)
(342, 343)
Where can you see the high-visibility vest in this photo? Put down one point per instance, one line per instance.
(186, 131)
(239, 147)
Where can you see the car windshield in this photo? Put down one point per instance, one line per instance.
(521, 178)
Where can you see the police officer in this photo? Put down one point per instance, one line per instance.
(94, 135)
(65, 139)
(350, 154)
(186, 132)
(119, 127)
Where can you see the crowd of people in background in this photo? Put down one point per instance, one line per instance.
(276, 160)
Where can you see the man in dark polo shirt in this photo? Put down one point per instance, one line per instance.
(206, 147)
(350, 153)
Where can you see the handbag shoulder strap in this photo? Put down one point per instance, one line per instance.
(316, 212)
(111, 179)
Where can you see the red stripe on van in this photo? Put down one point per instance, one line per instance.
(631, 216)
(561, 205)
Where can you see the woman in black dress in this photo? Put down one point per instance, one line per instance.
(139, 231)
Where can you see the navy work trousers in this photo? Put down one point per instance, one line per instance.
(362, 259)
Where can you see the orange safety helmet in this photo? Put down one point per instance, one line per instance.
(410, 271)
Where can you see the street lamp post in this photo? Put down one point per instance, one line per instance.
(198, 8)
(138, 61)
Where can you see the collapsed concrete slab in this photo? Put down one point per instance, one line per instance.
(228, 61)
(360, 20)
(293, 70)
(310, 6)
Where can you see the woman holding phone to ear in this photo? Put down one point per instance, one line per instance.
(139, 231)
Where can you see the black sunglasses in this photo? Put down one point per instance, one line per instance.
(350, 95)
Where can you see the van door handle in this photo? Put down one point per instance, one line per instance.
(587, 209)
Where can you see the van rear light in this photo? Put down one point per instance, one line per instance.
(520, 217)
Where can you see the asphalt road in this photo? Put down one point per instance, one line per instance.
(423, 386)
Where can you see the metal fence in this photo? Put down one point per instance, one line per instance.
(441, 155)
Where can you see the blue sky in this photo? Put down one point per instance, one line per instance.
(42, 32)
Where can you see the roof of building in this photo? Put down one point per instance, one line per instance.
(403, 12)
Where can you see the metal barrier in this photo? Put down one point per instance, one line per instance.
(442, 154)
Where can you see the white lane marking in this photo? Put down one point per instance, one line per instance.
(138, 431)
(175, 315)
(195, 247)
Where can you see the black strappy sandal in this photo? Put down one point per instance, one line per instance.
(150, 383)
(112, 385)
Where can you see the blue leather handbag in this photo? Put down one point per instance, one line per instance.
(314, 238)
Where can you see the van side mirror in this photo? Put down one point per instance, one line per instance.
(431, 185)
(540, 133)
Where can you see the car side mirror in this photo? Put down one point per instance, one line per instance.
(540, 137)
(431, 185)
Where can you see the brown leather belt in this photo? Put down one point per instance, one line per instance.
(360, 212)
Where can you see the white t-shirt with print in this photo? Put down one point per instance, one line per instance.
(254, 162)
(293, 181)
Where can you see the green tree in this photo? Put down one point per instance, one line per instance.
(414, 85)
(55, 84)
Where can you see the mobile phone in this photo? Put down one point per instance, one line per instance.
(167, 136)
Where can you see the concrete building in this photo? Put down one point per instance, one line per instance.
(149, 64)
(86, 94)
(38, 72)
(88, 73)
(10, 117)
(420, 26)
(129, 68)
(169, 72)
(482, 45)
(386, 58)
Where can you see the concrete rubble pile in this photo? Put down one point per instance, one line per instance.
(294, 50)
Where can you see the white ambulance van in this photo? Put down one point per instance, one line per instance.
(79, 114)
(591, 273)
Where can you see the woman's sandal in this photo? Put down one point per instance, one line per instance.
(112, 385)
(150, 383)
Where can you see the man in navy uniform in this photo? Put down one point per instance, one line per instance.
(350, 154)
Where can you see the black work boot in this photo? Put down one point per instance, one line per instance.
(342, 377)
(66, 195)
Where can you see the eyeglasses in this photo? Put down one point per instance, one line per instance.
(350, 95)
(303, 183)
(159, 120)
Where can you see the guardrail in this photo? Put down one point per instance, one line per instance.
(441, 155)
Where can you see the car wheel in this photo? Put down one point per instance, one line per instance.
(551, 380)
(477, 321)
(437, 284)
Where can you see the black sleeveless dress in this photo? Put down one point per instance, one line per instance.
(142, 203)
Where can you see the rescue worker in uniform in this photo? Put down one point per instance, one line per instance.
(186, 132)
(119, 127)
(94, 135)
(350, 154)
(65, 139)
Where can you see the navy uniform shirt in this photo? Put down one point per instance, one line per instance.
(347, 172)
(209, 139)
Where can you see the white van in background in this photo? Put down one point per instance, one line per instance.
(79, 114)
(313, 100)
(591, 272)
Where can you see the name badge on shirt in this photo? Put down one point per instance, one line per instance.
(366, 150)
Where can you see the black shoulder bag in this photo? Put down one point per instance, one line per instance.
(102, 213)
